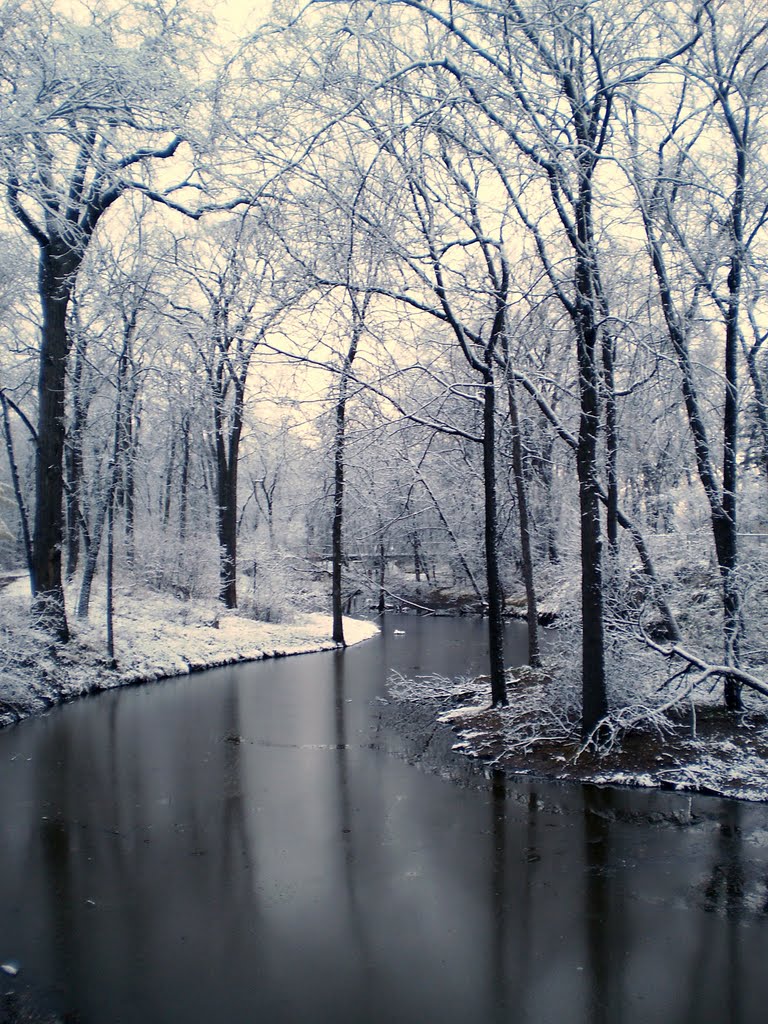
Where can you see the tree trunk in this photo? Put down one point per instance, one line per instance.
(184, 483)
(337, 552)
(611, 444)
(547, 476)
(532, 615)
(20, 504)
(594, 692)
(726, 538)
(382, 574)
(337, 543)
(73, 470)
(73, 453)
(130, 447)
(47, 586)
(226, 489)
(761, 405)
(495, 612)
(111, 580)
(417, 563)
(228, 538)
(722, 504)
(89, 566)
(168, 489)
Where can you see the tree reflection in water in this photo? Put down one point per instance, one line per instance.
(236, 847)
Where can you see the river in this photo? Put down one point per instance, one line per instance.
(243, 845)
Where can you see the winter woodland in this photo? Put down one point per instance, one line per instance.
(429, 304)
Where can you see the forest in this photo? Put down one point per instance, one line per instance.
(452, 306)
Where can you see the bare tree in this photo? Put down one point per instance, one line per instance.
(78, 134)
(693, 211)
(240, 303)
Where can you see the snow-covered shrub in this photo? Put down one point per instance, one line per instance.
(274, 585)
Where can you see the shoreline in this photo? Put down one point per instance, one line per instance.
(426, 740)
(161, 637)
(114, 680)
(158, 637)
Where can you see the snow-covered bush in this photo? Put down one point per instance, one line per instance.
(274, 585)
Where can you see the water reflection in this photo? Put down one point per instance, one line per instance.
(501, 963)
(231, 847)
(358, 933)
(724, 892)
(604, 913)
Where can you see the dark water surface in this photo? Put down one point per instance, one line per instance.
(230, 848)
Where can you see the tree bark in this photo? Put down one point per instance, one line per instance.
(727, 544)
(47, 585)
(382, 604)
(73, 458)
(761, 403)
(20, 504)
(532, 615)
(337, 527)
(130, 449)
(611, 443)
(594, 691)
(184, 483)
(111, 580)
(493, 578)
(227, 457)
(168, 489)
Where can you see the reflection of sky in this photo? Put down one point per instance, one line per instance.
(229, 847)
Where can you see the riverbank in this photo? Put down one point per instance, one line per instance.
(705, 751)
(445, 724)
(157, 636)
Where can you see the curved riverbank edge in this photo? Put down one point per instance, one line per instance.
(157, 638)
(413, 730)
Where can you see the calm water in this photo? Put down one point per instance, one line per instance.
(231, 847)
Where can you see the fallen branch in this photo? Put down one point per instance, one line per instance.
(706, 669)
(411, 604)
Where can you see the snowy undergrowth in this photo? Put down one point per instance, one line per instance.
(687, 745)
(156, 636)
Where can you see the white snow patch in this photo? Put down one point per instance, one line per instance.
(468, 711)
(156, 636)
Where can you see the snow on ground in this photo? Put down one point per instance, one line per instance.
(156, 636)
(723, 756)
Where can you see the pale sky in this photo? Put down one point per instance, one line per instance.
(239, 16)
